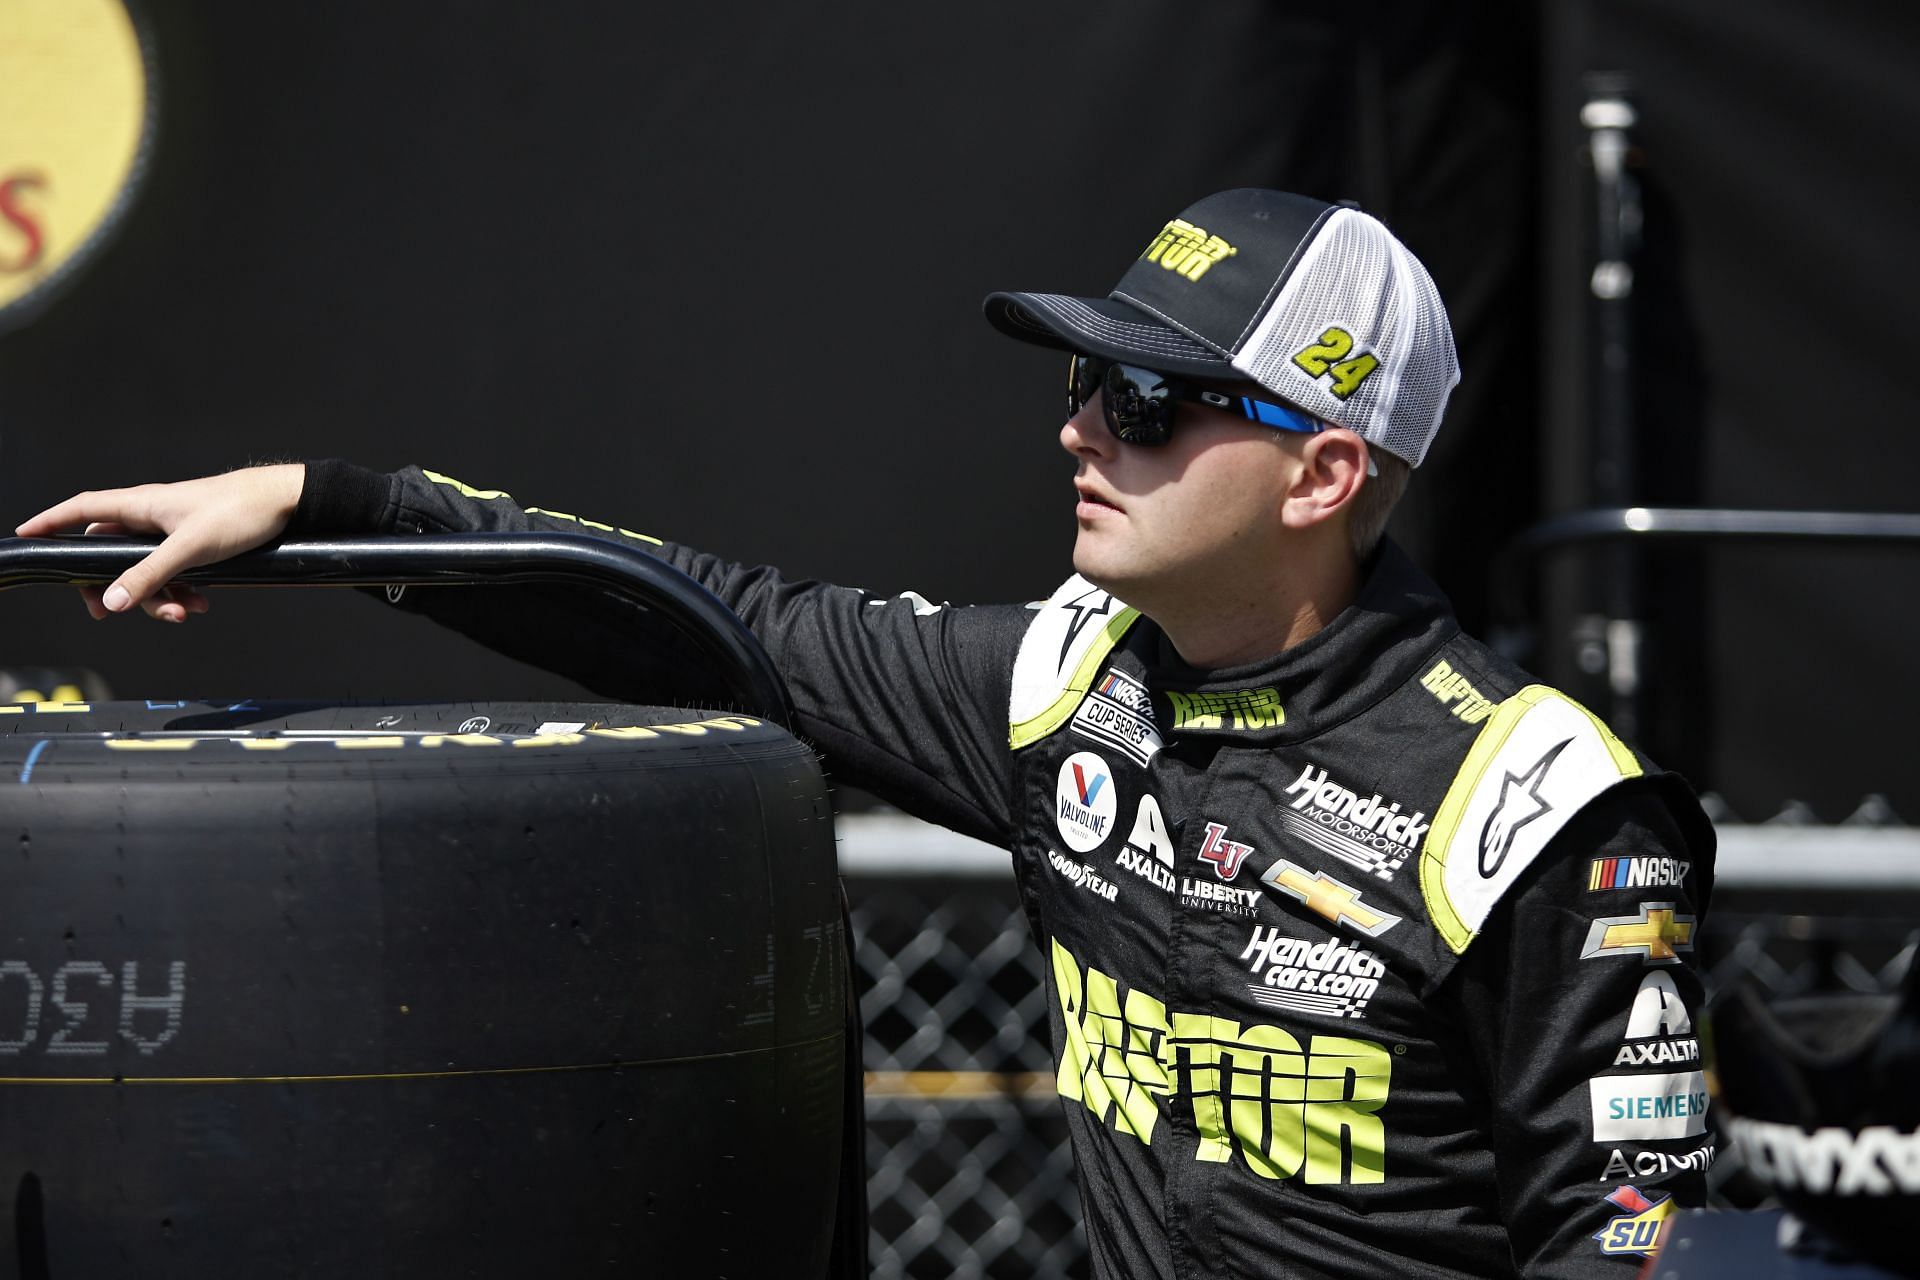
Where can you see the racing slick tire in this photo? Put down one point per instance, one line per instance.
(483, 989)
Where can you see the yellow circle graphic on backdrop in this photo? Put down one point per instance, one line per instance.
(75, 125)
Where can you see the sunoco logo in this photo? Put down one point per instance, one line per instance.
(1083, 800)
(1371, 833)
(1332, 978)
(1637, 1228)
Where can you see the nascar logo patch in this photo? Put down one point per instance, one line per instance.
(1636, 873)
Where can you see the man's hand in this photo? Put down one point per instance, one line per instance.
(204, 520)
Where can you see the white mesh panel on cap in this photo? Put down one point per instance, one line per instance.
(1355, 276)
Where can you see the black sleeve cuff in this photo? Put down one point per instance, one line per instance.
(340, 497)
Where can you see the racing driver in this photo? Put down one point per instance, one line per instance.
(1367, 955)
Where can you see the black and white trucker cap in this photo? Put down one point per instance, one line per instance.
(1318, 303)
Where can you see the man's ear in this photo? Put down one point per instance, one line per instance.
(1333, 466)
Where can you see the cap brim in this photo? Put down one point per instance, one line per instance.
(1105, 327)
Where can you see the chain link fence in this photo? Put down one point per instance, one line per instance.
(968, 1170)
(969, 1177)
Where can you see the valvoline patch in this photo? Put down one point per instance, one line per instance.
(1084, 803)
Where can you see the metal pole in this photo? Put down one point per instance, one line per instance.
(1612, 642)
(674, 599)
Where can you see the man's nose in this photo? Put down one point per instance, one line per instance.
(1086, 431)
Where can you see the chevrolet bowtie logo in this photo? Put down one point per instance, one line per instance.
(1658, 934)
(1328, 897)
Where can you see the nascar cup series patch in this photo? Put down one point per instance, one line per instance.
(1119, 712)
(1084, 804)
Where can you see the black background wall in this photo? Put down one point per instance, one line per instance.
(1779, 155)
(714, 271)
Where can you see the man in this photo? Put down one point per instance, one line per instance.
(1367, 955)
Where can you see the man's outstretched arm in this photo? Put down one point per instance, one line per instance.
(905, 699)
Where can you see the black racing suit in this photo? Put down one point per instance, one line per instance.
(1368, 959)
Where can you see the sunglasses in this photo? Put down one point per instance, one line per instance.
(1138, 403)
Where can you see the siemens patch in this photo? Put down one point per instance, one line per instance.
(1648, 1108)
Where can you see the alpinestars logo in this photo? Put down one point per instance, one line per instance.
(1520, 803)
(1371, 834)
(1086, 608)
(1331, 979)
